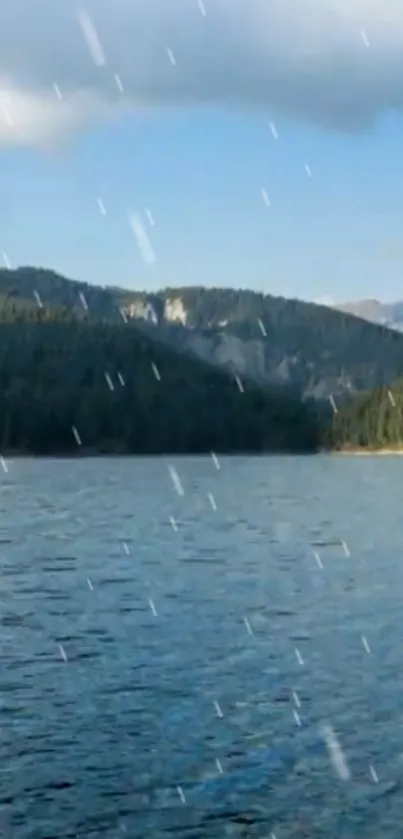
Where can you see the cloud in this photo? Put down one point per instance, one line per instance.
(32, 117)
(335, 63)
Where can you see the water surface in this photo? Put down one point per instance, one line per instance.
(168, 660)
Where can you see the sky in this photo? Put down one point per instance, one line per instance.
(246, 143)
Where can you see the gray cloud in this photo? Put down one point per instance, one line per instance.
(336, 63)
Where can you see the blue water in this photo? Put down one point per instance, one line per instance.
(171, 678)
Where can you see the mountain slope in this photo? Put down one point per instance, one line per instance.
(112, 389)
(36, 286)
(308, 347)
(312, 349)
(371, 421)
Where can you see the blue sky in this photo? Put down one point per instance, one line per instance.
(200, 173)
(199, 168)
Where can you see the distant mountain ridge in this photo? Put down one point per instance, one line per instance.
(387, 314)
(314, 350)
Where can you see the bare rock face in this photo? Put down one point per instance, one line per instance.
(175, 311)
(171, 310)
(215, 327)
(142, 309)
(247, 358)
(202, 346)
(242, 356)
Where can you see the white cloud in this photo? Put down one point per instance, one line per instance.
(308, 59)
(35, 118)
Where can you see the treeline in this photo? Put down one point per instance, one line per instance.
(373, 420)
(72, 386)
(38, 286)
(15, 310)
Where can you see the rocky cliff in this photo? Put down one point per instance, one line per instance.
(316, 350)
(275, 341)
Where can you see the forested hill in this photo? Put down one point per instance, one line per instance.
(371, 421)
(33, 288)
(68, 387)
(312, 349)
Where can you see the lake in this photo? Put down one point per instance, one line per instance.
(178, 659)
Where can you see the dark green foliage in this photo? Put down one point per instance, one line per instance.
(52, 377)
(53, 361)
(324, 350)
(373, 420)
(56, 291)
(15, 310)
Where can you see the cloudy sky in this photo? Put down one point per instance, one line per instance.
(228, 142)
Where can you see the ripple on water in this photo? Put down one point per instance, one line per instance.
(107, 704)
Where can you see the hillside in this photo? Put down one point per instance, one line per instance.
(33, 287)
(314, 350)
(68, 387)
(371, 421)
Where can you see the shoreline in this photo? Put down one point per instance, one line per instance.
(93, 454)
(90, 454)
(369, 452)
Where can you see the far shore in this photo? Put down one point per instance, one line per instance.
(93, 453)
(369, 452)
(87, 453)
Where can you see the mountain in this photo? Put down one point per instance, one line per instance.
(314, 350)
(371, 421)
(388, 314)
(33, 288)
(68, 386)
